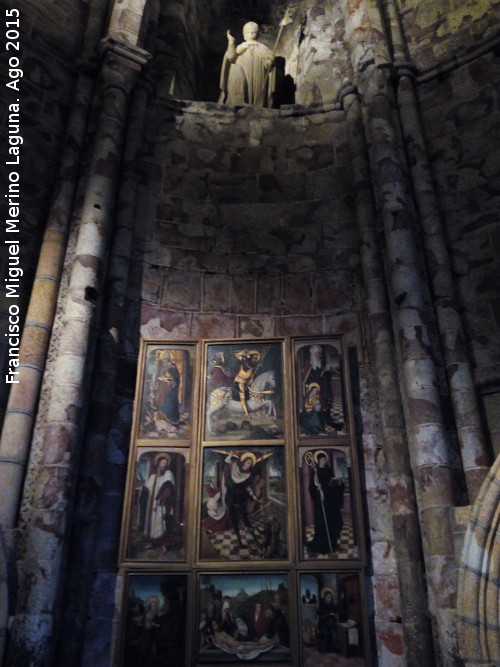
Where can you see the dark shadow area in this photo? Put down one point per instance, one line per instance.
(285, 84)
(353, 361)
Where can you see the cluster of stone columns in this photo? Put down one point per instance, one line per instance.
(53, 488)
(404, 216)
(389, 159)
(104, 499)
(407, 544)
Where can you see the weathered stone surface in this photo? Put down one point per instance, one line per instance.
(297, 326)
(387, 600)
(182, 290)
(246, 227)
(435, 30)
(213, 326)
(258, 326)
(157, 322)
(216, 293)
(243, 294)
(391, 649)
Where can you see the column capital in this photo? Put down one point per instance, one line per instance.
(405, 69)
(133, 56)
(120, 64)
(346, 89)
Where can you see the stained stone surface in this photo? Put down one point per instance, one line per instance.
(243, 229)
(246, 225)
(438, 30)
(462, 126)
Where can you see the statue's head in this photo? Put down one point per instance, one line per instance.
(250, 31)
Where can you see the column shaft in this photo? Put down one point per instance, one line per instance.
(46, 539)
(97, 496)
(23, 398)
(408, 291)
(407, 539)
(470, 432)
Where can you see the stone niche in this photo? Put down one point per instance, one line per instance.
(311, 54)
(249, 214)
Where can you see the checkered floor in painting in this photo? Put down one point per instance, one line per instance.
(346, 548)
(227, 546)
(254, 546)
(337, 412)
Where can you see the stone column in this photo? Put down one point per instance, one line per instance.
(4, 597)
(470, 432)
(408, 292)
(410, 307)
(21, 407)
(407, 540)
(98, 496)
(37, 620)
(15, 440)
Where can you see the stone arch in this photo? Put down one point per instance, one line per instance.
(478, 607)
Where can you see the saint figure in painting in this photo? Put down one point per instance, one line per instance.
(312, 417)
(259, 620)
(327, 494)
(166, 384)
(327, 623)
(239, 491)
(316, 413)
(156, 502)
(247, 75)
(246, 363)
(217, 372)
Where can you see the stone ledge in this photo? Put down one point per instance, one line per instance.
(285, 111)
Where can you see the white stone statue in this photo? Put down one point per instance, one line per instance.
(248, 77)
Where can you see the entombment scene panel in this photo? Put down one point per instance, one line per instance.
(244, 617)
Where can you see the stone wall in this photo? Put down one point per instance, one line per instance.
(440, 30)
(462, 124)
(180, 64)
(321, 59)
(246, 223)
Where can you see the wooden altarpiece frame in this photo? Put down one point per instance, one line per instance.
(332, 622)
(244, 478)
(155, 524)
(327, 470)
(269, 418)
